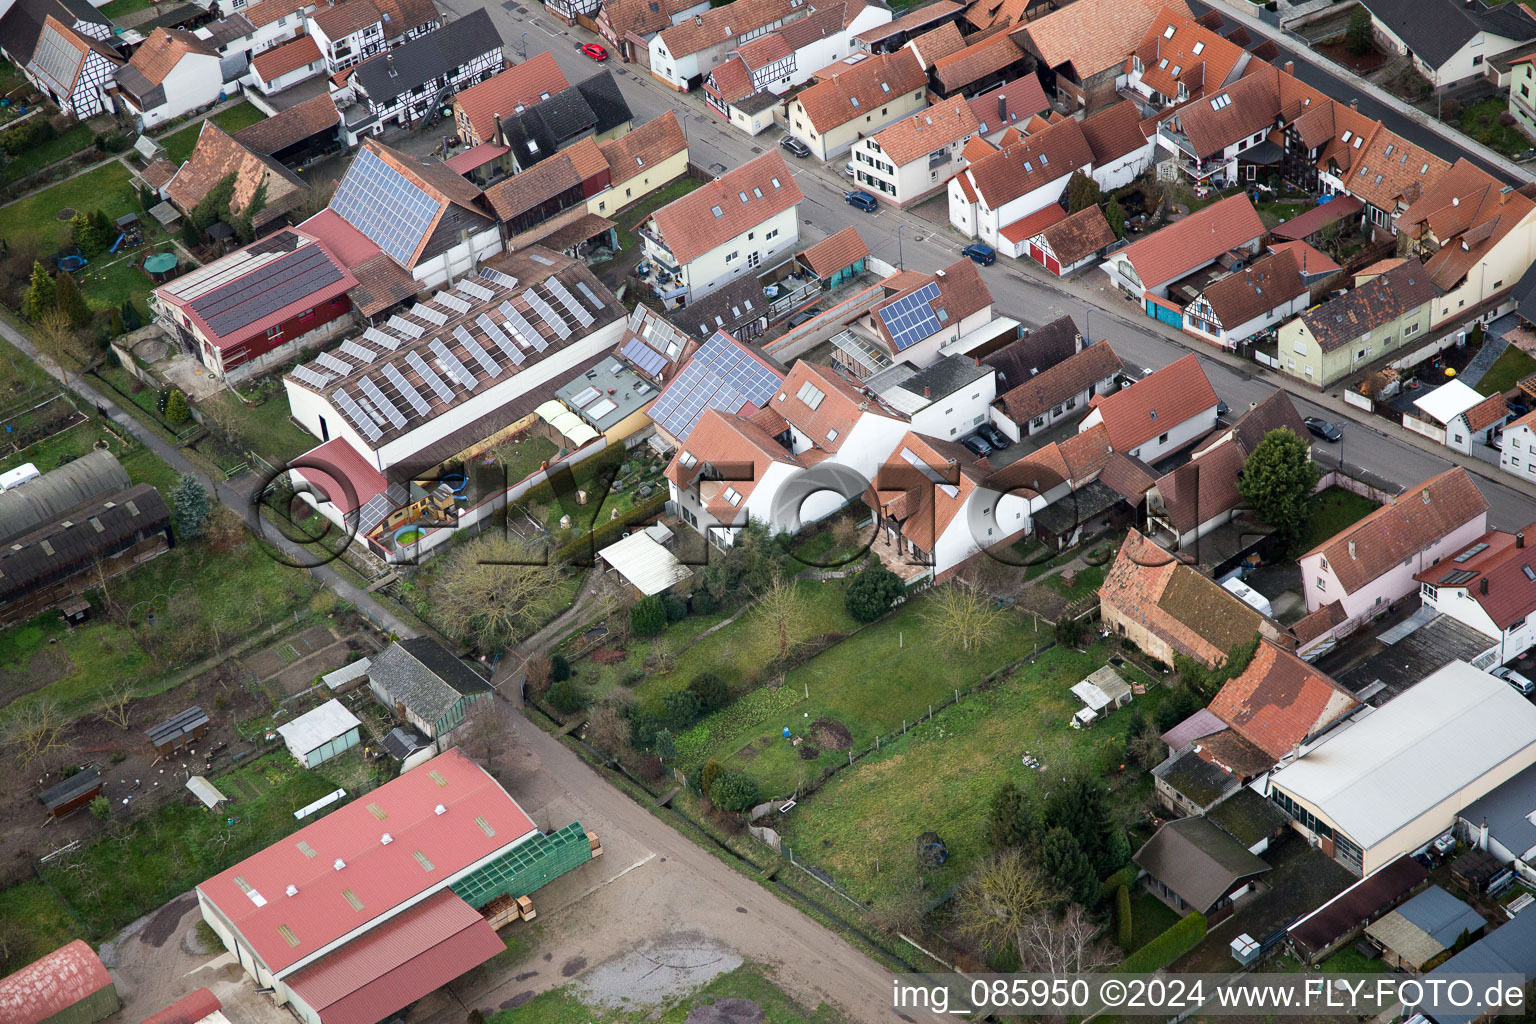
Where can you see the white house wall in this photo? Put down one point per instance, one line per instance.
(1390, 586)
(1124, 170)
(709, 272)
(990, 222)
(459, 260)
(195, 82)
(957, 414)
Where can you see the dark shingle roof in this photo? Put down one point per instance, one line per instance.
(1381, 299)
(424, 676)
(602, 94)
(1197, 860)
(428, 57)
(1247, 817)
(1019, 360)
(22, 24)
(1436, 29)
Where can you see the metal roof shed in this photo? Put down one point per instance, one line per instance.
(179, 730)
(323, 733)
(73, 793)
(68, 986)
(645, 565)
(205, 791)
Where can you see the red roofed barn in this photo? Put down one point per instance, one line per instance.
(68, 986)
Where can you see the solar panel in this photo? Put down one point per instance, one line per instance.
(453, 302)
(597, 303)
(374, 512)
(526, 333)
(910, 318)
(314, 378)
(333, 364)
(415, 362)
(721, 375)
(383, 404)
(457, 370)
(557, 288)
(497, 278)
(359, 419)
(385, 206)
(379, 338)
(645, 357)
(476, 350)
(354, 350)
(432, 316)
(400, 325)
(501, 339)
(547, 313)
(476, 291)
(406, 389)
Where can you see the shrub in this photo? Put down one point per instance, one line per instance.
(682, 709)
(1181, 937)
(1069, 631)
(676, 608)
(1123, 918)
(1125, 877)
(564, 697)
(101, 807)
(704, 603)
(177, 411)
(1450, 109)
(647, 616)
(712, 770)
(872, 593)
(559, 667)
(650, 768)
(711, 691)
(29, 134)
(735, 792)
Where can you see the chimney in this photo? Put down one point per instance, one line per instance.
(386, 839)
(390, 59)
(1482, 835)
(1354, 104)
(1077, 342)
(1351, 549)
(927, 391)
(1482, 586)
(1002, 109)
(439, 809)
(1290, 68)
(1519, 540)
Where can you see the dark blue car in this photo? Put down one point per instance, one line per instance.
(863, 200)
(980, 253)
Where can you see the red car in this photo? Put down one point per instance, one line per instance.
(595, 51)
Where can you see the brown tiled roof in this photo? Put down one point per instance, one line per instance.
(642, 17)
(938, 43)
(643, 148)
(1251, 105)
(217, 155)
(927, 131)
(974, 150)
(264, 12)
(1080, 235)
(1056, 384)
(1467, 212)
(1380, 300)
(1203, 488)
(522, 192)
(732, 80)
(159, 173)
(1420, 516)
(845, 91)
(1273, 413)
(1093, 35)
(912, 20)
(928, 510)
(834, 413)
(163, 50)
(723, 25)
(1227, 749)
(1021, 98)
(1503, 583)
(764, 50)
(1487, 412)
(961, 293)
(976, 62)
(1025, 228)
(1319, 217)
(287, 57)
(1114, 132)
(1280, 701)
(403, 15)
(1314, 624)
(1192, 56)
(523, 85)
(1156, 404)
(381, 283)
(726, 441)
(1126, 476)
(290, 126)
(689, 224)
(341, 20)
(1018, 169)
(587, 158)
(835, 252)
(1388, 169)
(1196, 240)
(1265, 284)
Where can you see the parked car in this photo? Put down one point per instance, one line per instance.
(976, 446)
(980, 253)
(1515, 679)
(993, 436)
(1323, 429)
(794, 147)
(863, 200)
(1222, 408)
(804, 315)
(594, 50)
(848, 170)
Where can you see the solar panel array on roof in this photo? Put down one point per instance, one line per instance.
(400, 325)
(597, 303)
(432, 316)
(353, 350)
(385, 206)
(910, 318)
(557, 288)
(429, 375)
(450, 362)
(474, 291)
(359, 419)
(547, 313)
(453, 302)
(377, 337)
(498, 278)
(57, 60)
(267, 289)
(477, 351)
(381, 403)
(380, 506)
(314, 378)
(500, 339)
(333, 364)
(721, 375)
(642, 355)
(527, 334)
(406, 389)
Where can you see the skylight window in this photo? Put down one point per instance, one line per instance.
(1044, 160)
(854, 100)
(1347, 136)
(1199, 47)
(1163, 63)
(775, 182)
(810, 394)
(1378, 179)
(717, 211)
(688, 459)
(1390, 147)
(1424, 168)
(832, 434)
(1176, 69)
(732, 495)
(742, 196)
(1028, 166)
(1168, 32)
(1358, 140)
(757, 192)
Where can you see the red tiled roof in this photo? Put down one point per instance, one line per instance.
(976, 62)
(927, 511)
(1314, 624)
(1114, 132)
(188, 1009)
(1080, 235)
(416, 952)
(1190, 55)
(1265, 284)
(938, 43)
(52, 984)
(1203, 488)
(1319, 217)
(1156, 404)
(1128, 477)
(159, 174)
(927, 131)
(289, 57)
(835, 412)
(163, 50)
(520, 86)
(1487, 412)
(1028, 227)
(689, 225)
(264, 12)
(844, 91)
(1093, 35)
(217, 155)
(338, 21)
(1018, 168)
(835, 252)
(342, 474)
(1467, 212)
(721, 25)
(290, 126)
(347, 243)
(381, 283)
(736, 444)
(1056, 384)
(1021, 98)
(1504, 567)
(251, 894)
(924, 15)
(476, 156)
(731, 81)
(643, 148)
(1308, 260)
(1420, 516)
(1194, 241)
(1280, 701)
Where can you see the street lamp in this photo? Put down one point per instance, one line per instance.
(900, 264)
(523, 43)
(686, 115)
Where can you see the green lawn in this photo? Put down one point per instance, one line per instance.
(941, 775)
(31, 222)
(1087, 581)
(629, 218)
(265, 428)
(1480, 121)
(1512, 366)
(118, 8)
(524, 458)
(1333, 510)
(109, 281)
(10, 77)
(68, 143)
(599, 680)
(1150, 917)
(179, 145)
(871, 683)
(564, 1005)
(45, 919)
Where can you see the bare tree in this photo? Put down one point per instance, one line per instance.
(1000, 897)
(902, 903)
(1064, 943)
(963, 615)
(782, 619)
(219, 412)
(34, 730)
(59, 342)
(115, 705)
(483, 731)
(1147, 748)
(538, 674)
(607, 730)
(490, 597)
(663, 652)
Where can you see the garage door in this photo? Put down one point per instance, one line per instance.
(1036, 254)
(1053, 265)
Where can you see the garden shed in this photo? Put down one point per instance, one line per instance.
(424, 684)
(206, 792)
(319, 735)
(645, 565)
(1423, 928)
(1101, 693)
(73, 793)
(68, 986)
(178, 731)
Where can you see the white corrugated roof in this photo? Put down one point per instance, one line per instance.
(644, 564)
(1382, 771)
(1448, 401)
(346, 673)
(205, 791)
(321, 725)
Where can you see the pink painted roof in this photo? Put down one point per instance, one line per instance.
(339, 470)
(188, 1009)
(412, 954)
(52, 984)
(477, 156)
(350, 245)
(381, 876)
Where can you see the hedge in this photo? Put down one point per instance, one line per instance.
(1181, 937)
(1123, 931)
(1126, 876)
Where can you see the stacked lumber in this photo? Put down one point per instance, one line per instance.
(595, 844)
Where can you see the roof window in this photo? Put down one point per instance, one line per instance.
(1390, 147)
(732, 495)
(1044, 160)
(1358, 140)
(1163, 63)
(717, 212)
(742, 196)
(1168, 32)
(854, 100)
(1347, 136)
(775, 182)
(1199, 47)
(1177, 68)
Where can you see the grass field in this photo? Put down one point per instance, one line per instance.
(65, 144)
(265, 428)
(1480, 121)
(44, 920)
(118, 8)
(31, 222)
(1150, 917)
(110, 280)
(1333, 510)
(1512, 366)
(564, 1005)
(631, 216)
(179, 145)
(599, 680)
(941, 775)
